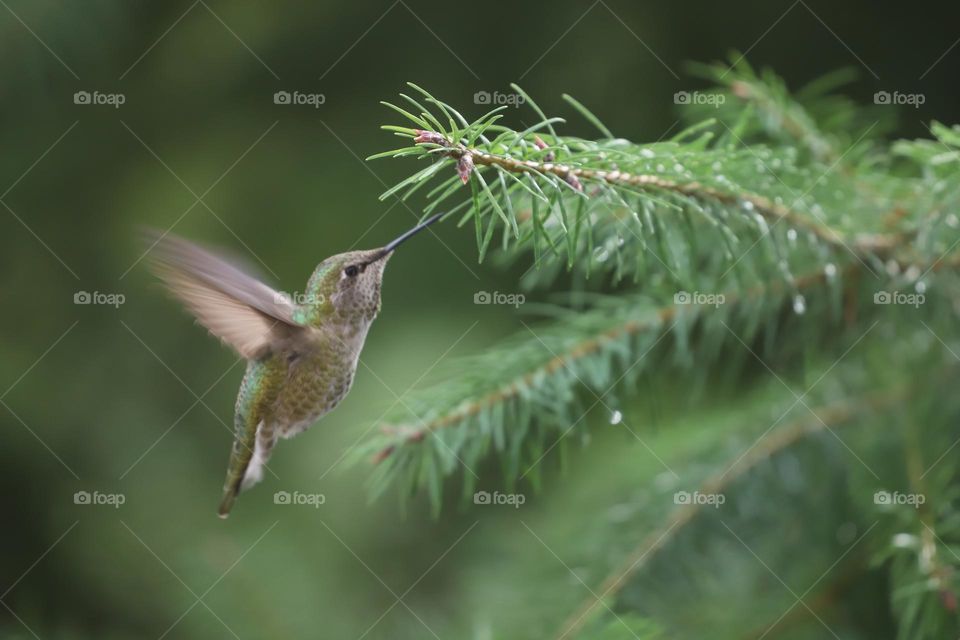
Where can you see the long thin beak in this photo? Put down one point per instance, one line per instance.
(390, 248)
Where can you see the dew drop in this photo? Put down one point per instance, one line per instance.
(799, 305)
(616, 417)
(904, 540)
(920, 287)
(792, 235)
(830, 270)
(647, 153)
(747, 205)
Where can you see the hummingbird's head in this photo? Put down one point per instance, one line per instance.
(347, 285)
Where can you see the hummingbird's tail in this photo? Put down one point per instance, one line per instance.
(254, 436)
(233, 484)
(226, 504)
(249, 469)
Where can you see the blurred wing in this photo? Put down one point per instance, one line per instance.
(237, 308)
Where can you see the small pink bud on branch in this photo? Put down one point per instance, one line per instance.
(538, 141)
(430, 137)
(465, 167)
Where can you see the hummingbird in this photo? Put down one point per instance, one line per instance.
(301, 357)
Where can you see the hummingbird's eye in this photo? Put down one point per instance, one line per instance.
(352, 271)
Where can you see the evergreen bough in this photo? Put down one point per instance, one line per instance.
(781, 283)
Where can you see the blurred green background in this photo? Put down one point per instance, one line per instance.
(135, 400)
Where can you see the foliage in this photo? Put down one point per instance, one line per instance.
(773, 246)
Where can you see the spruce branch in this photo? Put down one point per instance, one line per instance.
(592, 345)
(923, 552)
(608, 336)
(588, 200)
(468, 158)
(607, 203)
(816, 118)
(832, 416)
(797, 215)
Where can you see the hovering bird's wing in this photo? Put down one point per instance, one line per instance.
(237, 308)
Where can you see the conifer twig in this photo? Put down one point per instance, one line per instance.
(560, 361)
(576, 176)
(833, 415)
